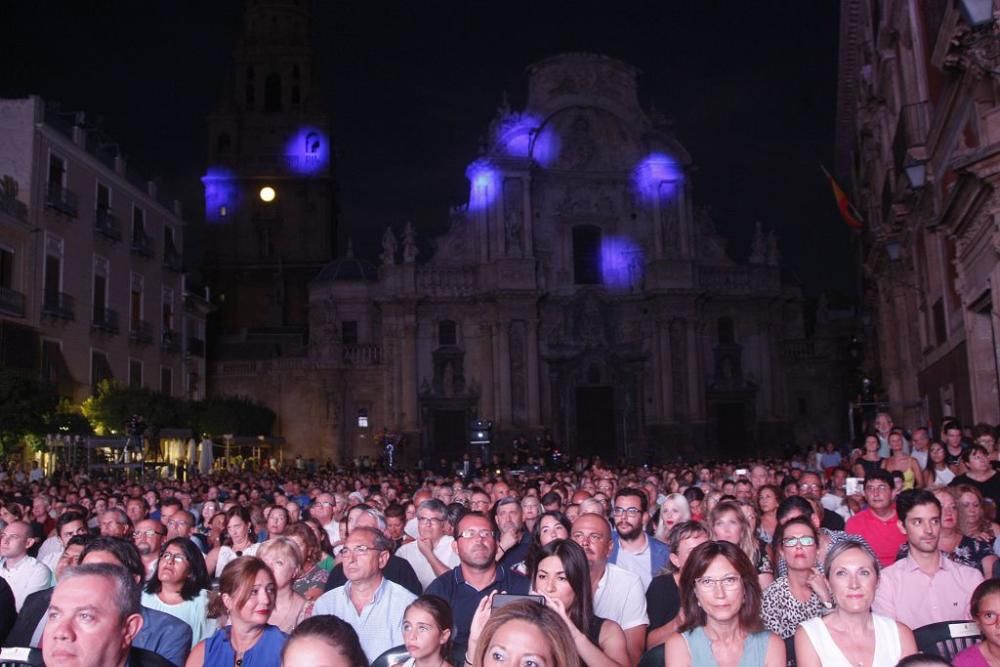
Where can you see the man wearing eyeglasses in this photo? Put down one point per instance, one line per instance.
(618, 593)
(878, 523)
(23, 574)
(632, 549)
(148, 538)
(329, 510)
(431, 554)
(372, 604)
(477, 575)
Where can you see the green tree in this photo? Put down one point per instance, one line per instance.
(26, 405)
(232, 414)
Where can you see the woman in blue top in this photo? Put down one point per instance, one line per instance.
(247, 591)
(720, 601)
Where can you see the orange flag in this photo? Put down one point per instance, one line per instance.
(847, 210)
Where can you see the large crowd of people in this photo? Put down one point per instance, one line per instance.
(832, 558)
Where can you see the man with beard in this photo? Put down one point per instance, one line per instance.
(477, 575)
(632, 549)
(148, 538)
(618, 594)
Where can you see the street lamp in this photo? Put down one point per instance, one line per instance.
(267, 194)
(916, 173)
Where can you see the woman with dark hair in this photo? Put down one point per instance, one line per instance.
(851, 634)
(720, 600)
(179, 586)
(551, 525)
(768, 499)
(246, 595)
(239, 538)
(979, 473)
(311, 580)
(560, 573)
(802, 593)
(427, 624)
(937, 472)
(869, 461)
(323, 640)
(985, 608)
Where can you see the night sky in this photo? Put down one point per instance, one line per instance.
(412, 87)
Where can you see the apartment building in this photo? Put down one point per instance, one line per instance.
(92, 282)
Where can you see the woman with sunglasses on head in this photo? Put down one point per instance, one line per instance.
(851, 634)
(720, 601)
(180, 585)
(802, 593)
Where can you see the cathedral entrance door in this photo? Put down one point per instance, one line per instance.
(730, 419)
(595, 422)
(450, 435)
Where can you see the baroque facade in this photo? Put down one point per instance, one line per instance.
(918, 145)
(580, 290)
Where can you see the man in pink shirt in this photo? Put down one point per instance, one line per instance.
(878, 523)
(925, 587)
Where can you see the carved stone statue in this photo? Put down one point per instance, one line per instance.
(388, 255)
(409, 244)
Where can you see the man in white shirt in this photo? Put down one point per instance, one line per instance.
(430, 555)
(23, 574)
(148, 538)
(618, 594)
(328, 509)
(68, 526)
(372, 604)
(921, 441)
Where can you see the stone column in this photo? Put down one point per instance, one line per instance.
(409, 380)
(486, 375)
(527, 224)
(694, 371)
(664, 372)
(503, 377)
(532, 370)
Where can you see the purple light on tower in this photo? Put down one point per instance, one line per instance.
(221, 194)
(655, 169)
(545, 146)
(484, 185)
(621, 263)
(308, 151)
(517, 133)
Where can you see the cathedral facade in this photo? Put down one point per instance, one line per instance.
(580, 290)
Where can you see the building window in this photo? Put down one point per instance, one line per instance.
(272, 92)
(51, 357)
(940, 324)
(349, 332)
(587, 255)
(6, 267)
(100, 369)
(166, 381)
(168, 309)
(103, 198)
(447, 333)
(134, 373)
(53, 269)
(100, 287)
(138, 224)
(57, 174)
(135, 302)
(727, 335)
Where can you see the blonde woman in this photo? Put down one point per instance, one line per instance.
(283, 556)
(728, 523)
(673, 510)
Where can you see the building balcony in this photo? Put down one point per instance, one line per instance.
(170, 341)
(11, 302)
(59, 305)
(105, 321)
(196, 346)
(362, 355)
(141, 331)
(62, 200)
(107, 225)
(173, 261)
(142, 245)
(14, 207)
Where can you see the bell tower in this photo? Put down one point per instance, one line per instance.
(270, 207)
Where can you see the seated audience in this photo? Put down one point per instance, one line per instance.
(323, 640)
(984, 607)
(180, 586)
(663, 597)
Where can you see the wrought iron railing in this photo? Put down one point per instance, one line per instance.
(60, 305)
(61, 199)
(140, 331)
(11, 302)
(106, 224)
(106, 320)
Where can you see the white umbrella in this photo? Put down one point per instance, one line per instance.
(192, 451)
(207, 457)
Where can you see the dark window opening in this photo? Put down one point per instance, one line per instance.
(296, 95)
(6, 268)
(166, 381)
(447, 333)
(100, 369)
(103, 198)
(223, 144)
(587, 255)
(349, 332)
(138, 224)
(726, 333)
(272, 92)
(53, 277)
(134, 373)
(57, 172)
(136, 308)
(100, 297)
(940, 324)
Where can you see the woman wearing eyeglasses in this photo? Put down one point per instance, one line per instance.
(803, 592)
(179, 586)
(851, 634)
(985, 608)
(720, 600)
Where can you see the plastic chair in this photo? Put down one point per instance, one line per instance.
(20, 657)
(947, 638)
(653, 657)
(391, 657)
